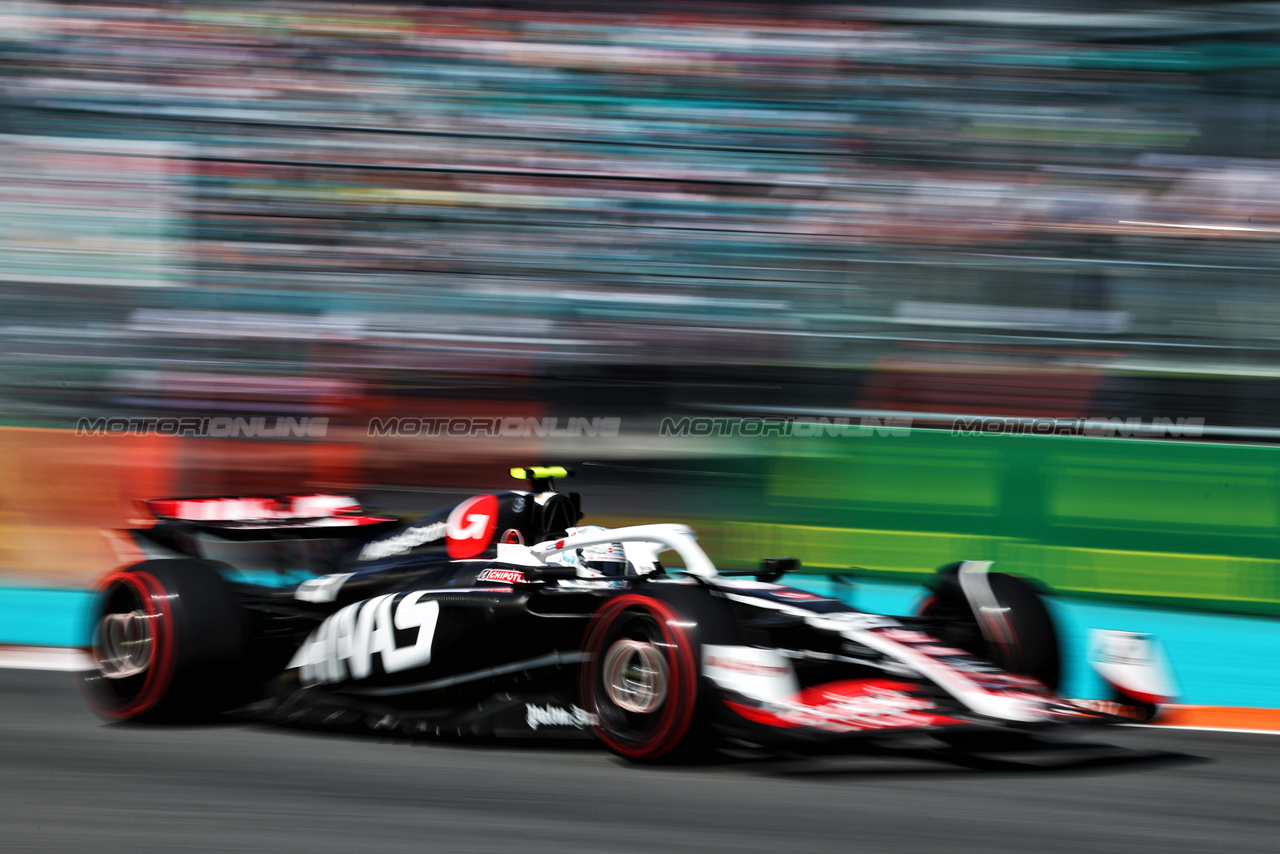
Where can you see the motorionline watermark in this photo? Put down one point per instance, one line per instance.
(510, 427)
(218, 427)
(1191, 428)
(785, 427)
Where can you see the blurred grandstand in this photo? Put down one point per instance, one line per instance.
(346, 209)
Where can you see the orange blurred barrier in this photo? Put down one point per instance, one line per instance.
(62, 495)
(61, 491)
(1221, 717)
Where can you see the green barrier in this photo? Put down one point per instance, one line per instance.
(1173, 523)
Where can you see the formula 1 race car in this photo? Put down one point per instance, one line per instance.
(500, 616)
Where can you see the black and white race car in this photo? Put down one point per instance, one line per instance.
(500, 616)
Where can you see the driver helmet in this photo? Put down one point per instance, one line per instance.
(607, 559)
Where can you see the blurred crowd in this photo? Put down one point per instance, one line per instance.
(1037, 211)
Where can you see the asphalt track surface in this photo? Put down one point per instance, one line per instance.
(70, 782)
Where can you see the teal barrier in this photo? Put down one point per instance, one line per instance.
(31, 616)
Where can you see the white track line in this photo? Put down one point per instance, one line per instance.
(43, 658)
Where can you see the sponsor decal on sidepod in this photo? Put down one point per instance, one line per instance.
(502, 576)
(347, 641)
(548, 715)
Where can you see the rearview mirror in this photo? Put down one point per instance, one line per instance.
(773, 568)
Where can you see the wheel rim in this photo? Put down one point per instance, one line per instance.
(133, 646)
(635, 676)
(126, 644)
(641, 679)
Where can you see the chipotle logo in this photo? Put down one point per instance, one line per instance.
(503, 576)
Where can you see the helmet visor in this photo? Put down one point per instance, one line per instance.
(612, 568)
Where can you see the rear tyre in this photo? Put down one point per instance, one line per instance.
(640, 681)
(167, 635)
(1026, 642)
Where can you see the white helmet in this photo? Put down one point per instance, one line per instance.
(606, 559)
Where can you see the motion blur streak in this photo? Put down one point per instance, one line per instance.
(300, 213)
(932, 209)
(235, 212)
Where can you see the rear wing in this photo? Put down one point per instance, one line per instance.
(269, 517)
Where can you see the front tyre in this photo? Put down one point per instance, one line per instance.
(167, 635)
(1018, 633)
(640, 679)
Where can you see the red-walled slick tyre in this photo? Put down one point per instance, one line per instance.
(640, 679)
(166, 637)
